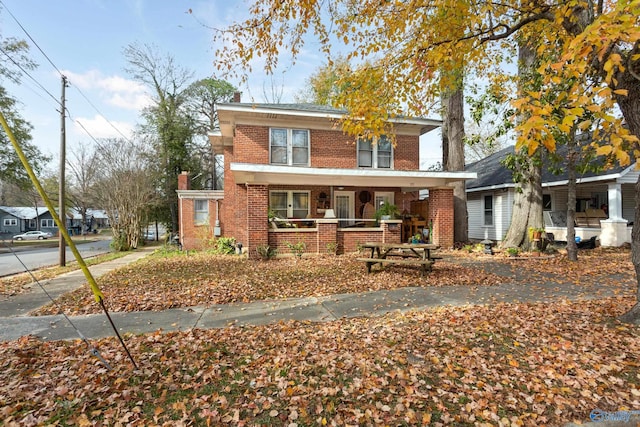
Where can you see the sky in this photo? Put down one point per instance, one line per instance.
(85, 39)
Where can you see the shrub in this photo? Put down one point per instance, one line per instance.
(225, 245)
(297, 249)
(266, 252)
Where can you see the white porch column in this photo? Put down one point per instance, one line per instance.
(614, 230)
(615, 201)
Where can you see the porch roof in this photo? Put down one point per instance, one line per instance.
(249, 173)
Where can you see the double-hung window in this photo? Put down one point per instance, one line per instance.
(47, 223)
(201, 212)
(10, 222)
(488, 210)
(379, 155)
(289, 204)
(289, 147)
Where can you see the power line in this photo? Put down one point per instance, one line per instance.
(62, 75)
(26, 73)
(31, 38)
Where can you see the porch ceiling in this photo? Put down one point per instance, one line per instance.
(245, 173)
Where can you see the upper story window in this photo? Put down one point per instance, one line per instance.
(378, 155)
(289, 147)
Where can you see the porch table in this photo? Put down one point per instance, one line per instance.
(401, 254)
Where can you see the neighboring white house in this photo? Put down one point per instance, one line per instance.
(605, 202)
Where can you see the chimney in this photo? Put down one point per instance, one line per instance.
(184, 183)
(236, 96)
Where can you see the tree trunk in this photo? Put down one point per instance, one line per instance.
(630, 107)
(572, 248)
(527, 205)
(455, 159)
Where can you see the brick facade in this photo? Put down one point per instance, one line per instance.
(441, 215)
(244, 209)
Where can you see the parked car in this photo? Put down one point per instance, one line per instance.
(32, 235)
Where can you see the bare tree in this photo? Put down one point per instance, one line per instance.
(83, 165)
(125, 188)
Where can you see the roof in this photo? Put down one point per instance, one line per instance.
(24, 212)
(96, 213)
(492, 174)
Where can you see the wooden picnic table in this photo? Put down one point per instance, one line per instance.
(401, 254)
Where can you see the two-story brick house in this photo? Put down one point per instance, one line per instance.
(294, 162)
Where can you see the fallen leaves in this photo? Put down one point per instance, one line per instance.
(507, 364)
(162, 282)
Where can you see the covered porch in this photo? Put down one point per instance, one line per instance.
(333, 210)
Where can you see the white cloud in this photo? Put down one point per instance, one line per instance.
(99, 127)
(113, 90)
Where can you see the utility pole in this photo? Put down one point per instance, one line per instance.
(61, 184)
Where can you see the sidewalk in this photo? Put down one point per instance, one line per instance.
(15, 321)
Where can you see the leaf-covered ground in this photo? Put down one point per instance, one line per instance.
(501, 365)
(168, 281)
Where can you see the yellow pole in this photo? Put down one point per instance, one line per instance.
(63, 230)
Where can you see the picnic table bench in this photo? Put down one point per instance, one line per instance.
(403, 254)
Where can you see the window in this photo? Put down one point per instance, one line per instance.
(546, 202)
(383, 196)
(378, 155)
(47, 223)
(201, 212)
(289, 204)
(488, 210)
(289, 147)
(32, 223)
(10, 222)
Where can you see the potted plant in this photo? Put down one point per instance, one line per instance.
(536, 233)
(513, 251)
(387, 211)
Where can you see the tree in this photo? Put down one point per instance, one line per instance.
(11, 169)
(125, 188)
(322, 87)
(84, 166)
(202, 98)
(167, 124)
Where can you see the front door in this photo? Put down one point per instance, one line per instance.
(344, 203)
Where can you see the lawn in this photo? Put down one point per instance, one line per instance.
(500, 364)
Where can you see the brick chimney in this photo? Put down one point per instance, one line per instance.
(184, 183)
(236, 96)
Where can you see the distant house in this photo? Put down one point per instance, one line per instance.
(94, 219)
(15, 220)
(292, 175)
(605, 202)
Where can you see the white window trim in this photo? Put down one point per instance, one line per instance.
(484, 210)
(290, 200)
(10, 222)
(195, 212)
(44, 223)
(374, 155)
(290, 147)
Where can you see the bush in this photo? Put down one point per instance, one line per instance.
(266, 252)
(297, 249)
(225, 245)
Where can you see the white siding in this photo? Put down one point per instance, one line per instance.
(502, 208)
(628, 202)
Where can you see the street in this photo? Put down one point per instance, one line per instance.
(39, 257)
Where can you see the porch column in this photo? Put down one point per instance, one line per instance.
(441, 213)
(615, 201)
(257, 219)
(391, 230)
(614, 230)
(327, 235)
